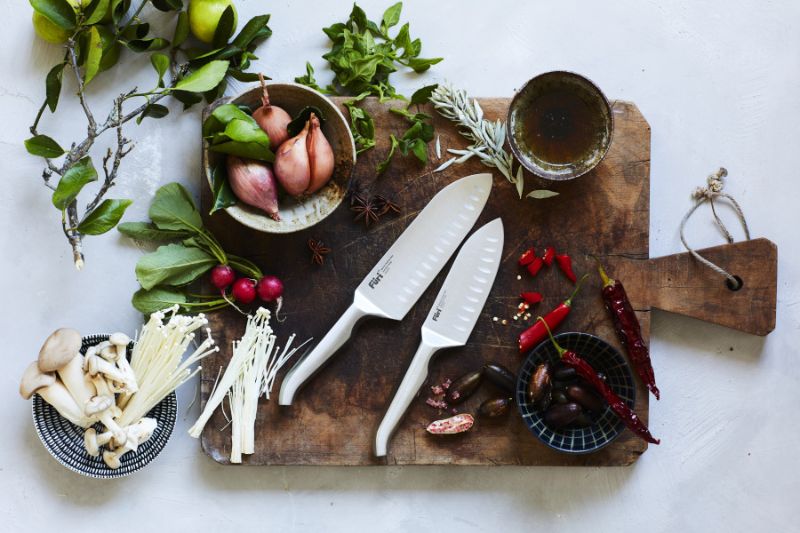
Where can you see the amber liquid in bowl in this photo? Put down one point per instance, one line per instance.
(559, 127)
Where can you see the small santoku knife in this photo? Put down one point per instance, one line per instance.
(451, 319)
(397, 281)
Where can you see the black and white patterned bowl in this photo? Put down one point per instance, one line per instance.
(604, 358)
(64, 440)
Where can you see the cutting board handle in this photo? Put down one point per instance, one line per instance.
(680, 284)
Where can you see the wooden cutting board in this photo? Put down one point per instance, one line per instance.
(606, 212)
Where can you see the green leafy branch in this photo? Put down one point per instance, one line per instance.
(97, 33)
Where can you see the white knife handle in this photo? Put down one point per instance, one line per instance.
(331, 342)
(413, 380)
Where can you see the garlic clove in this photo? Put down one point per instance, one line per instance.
(320, 156)
(292, 166)
(253, 182)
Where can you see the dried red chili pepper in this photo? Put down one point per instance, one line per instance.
(531, 297)
(564, 262)
(535, 266)
(628, 328)
(617, 404)
(549, 255)
(538, 332)
(527, 257)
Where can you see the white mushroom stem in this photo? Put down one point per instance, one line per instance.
(120, 342)
(92, 441)
(102, 408)
(53, 392)
(101, 385)
(137, 434)
(72, 376)
(111, 372)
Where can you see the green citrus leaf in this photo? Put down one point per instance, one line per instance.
(43, 146)
(93, 55)
(73, 180)
(59, 12)
(104, 217)
(205, 78)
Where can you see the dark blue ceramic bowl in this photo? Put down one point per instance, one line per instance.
(64, 440)
(604, 358)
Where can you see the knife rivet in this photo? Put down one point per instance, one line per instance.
(519, 277)
(495, 319)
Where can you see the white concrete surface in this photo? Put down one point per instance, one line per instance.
(719, 83)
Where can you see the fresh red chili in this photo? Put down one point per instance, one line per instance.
(527, 257)
(531, 297)
(617, 404)
(564, 262)
(628, 328)
(549, 255)
(535, 266)
(538, 332)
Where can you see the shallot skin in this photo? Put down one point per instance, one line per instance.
(292, 166)
(253, 182)
(320, 155)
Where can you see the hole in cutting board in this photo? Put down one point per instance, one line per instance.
(734, 287)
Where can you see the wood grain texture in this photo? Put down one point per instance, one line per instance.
(335, 416)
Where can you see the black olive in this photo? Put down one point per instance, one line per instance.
(559, 416)
(494, 407)
(461, 388)
(501, 376)
(585, 397)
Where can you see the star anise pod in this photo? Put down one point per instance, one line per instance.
(318, 251)
(385, 205)
(365, 209)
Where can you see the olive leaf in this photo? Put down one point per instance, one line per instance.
(541, 194)
(53, 86)
(299, 121)
(104, 217)
(204, 78)
(221, 188)
(43, 146)
(94, 53)
(143, 231)
(154, 300)
(59, 12)
(173, 264)
(174, 209)
(73, 180)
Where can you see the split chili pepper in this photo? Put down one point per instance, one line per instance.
(531, 297)
(538, 332)
(628, 328)
(527, 257)
(564, 262)
(549, 255)
(535, 266)
(617, 404)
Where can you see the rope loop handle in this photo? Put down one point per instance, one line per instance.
(713, 191)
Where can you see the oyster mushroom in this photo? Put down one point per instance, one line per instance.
(137, 434)
(61, 353)
(46, 385)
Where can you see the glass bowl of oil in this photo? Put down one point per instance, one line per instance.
(559, 125)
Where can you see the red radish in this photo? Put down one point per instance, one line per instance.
(292, 167)
(222, 276)
(254, 184)
(272, 119)
(244, 290)
(270, 288)
(320, 156)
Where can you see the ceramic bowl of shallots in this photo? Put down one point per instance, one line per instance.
(288, 200)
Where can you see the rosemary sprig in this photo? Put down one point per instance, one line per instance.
(487, 137)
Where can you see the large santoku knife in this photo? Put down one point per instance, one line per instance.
(451, 319)
(397, 281)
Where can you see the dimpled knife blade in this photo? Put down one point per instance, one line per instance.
(397, 281)
(451, 319)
